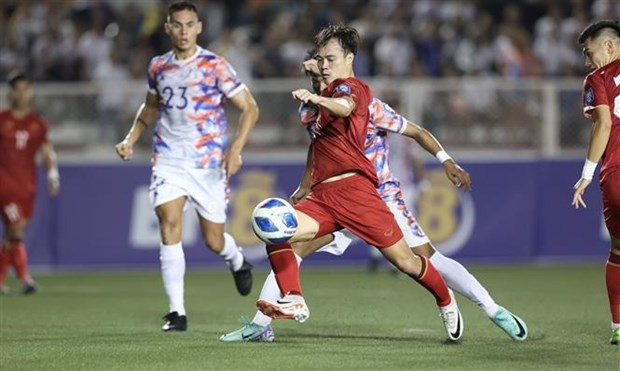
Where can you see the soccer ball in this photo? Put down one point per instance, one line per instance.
(274, 220)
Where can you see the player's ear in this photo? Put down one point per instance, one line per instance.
(167, 27)
(610, 45)
(199, 28)
(349, 58)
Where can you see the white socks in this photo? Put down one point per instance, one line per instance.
(231, 253)
(271, 292)
(172, 261)
(459, 279)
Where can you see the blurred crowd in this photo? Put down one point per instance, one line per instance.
(83, 40)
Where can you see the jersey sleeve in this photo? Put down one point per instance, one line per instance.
(352, 88)
(308, 113)
(227, 80)
(151, 78)
(385, 118)
(594, 94)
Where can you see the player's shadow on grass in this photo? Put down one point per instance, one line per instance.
(316, 336)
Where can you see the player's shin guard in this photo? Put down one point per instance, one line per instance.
(19, 260)
(431, 280)
(285, 268)
(612, 279)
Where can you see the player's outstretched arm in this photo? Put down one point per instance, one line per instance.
(145, 117)
(339, 107)
(51, 166)
(245, 102)
(457, 175)
(599, 136)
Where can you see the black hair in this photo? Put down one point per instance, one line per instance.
(310, 54)
(347, 36)
(182, 5)
(596, 29)
(16, 76)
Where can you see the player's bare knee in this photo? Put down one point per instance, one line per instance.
(170, 232)
(14, 234)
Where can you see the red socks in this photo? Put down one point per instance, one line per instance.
(612, 279)
(14, 254)
(431, 280)
(285, 268)
(5, 262)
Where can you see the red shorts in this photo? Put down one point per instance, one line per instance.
(610, 188)
(17, 208)
(352, 203)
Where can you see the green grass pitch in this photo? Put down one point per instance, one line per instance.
(103, 321)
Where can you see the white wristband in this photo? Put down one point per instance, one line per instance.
(443, 156)
(588, 169)
(53, 175)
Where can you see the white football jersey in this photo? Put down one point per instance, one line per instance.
(191, 130)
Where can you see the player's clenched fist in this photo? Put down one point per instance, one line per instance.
(305, 96)
(124, 150)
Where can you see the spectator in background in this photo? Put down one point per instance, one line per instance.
(435, 29)
(23, 134)
(556, 56)
(392, 50)
(53, 53)
(110, 75)
(93, 46)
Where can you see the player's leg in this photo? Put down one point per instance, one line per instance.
(224, 245)
(172, 259)
(5, 257)
(418, 268)
(312, 220)
(15, 215)
(423, 272)
(209, 193)
(259, 328)
(458, 278)
(19, 256)
(610, 187)
(5, 264)
(368, 217)
(612, 281)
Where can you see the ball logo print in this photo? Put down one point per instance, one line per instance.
(274, 220)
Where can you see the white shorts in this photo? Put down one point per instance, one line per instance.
(206, 189)
(413, 233)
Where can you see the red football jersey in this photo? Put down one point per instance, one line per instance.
(338, 142)
(602, 87)
(20, 140)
